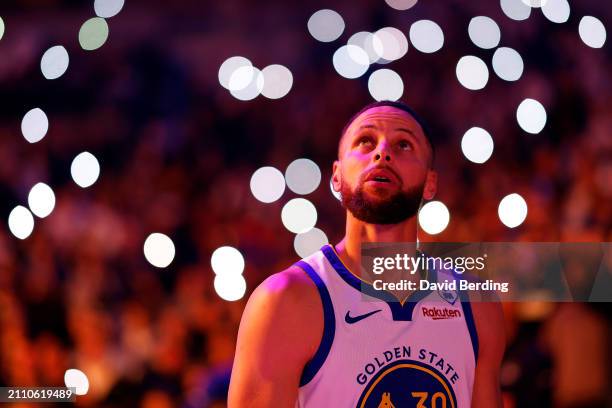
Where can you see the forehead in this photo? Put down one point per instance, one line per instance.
(383, 118)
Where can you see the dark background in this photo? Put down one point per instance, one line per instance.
(177, 152)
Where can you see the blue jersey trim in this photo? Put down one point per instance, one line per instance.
(329, 327)
(401, 311)
(469, 320)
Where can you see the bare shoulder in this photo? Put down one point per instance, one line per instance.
(282, 304)
(279, 333)
(290, 288)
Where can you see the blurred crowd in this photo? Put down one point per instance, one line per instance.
(177, 152)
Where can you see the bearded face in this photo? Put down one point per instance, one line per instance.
(383, 171)
(396, 207)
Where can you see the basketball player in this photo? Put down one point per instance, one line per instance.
(317, 335)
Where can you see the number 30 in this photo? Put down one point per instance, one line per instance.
(438, 396)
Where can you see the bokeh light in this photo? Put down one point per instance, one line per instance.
(477, 145)
(277, 81)
(299, 215)
(484, 32)
(241, 78)
(401, 4)
(368, 42)
(434, 217)
(76, 379)
(1, 28)
(227, 260)
(426, 36)
(507, 64)
(34, 125)
(390, 44)
(159, 250)
(385, 84)
(512, 210)
(335, 193)
(85, 169)
(515, 9)
(557, 11)
(54, 62)
(41, 200)
(246, 83)
(229, 66)
(535, 3)
(592, 31)
(230, 287)
(21, 222)
(93, 33)
(303, 176)
(472, 72)
(351, 61)
(267, 184)
(326, 25)
(531, 116)
(309, 242)
(108, 8)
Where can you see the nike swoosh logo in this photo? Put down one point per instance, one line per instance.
(354, 319)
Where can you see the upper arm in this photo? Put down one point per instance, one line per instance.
(489, 320)
(273, 343)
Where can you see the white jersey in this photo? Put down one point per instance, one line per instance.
(378, 352)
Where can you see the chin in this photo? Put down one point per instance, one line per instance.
(379, 193)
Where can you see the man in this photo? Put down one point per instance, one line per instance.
(318, 335)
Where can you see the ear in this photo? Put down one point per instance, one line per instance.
(336, 176)
(431, 185)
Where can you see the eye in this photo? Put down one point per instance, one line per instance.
(365, 141)
(405, 145)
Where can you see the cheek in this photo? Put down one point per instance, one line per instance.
(351, 170)
(413, 173)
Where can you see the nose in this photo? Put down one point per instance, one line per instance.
(379, 156)
(383, 152)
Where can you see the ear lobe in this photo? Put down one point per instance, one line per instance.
(431, 185)
(336, 177)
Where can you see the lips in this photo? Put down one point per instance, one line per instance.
(381, 175)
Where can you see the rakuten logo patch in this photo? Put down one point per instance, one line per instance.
(440, 314)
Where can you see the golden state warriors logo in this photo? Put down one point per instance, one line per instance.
(408, 384)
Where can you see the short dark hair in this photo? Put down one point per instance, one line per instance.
(401, 106)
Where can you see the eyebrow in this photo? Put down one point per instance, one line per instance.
(401, 129)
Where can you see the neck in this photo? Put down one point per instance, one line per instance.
(359, 232)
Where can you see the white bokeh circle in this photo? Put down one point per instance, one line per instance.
(76, 379)
(303, 176)
(85, 169)
(512, 210)
(477, 145)
(531, 116)
(267, 184)
(309, 242)
(472, 72)
(227, 260)
(41, 200)
(34, 125)
(434, 217)
(299, 215)
(159, 250)
(21, 222)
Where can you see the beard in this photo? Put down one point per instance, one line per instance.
(396, 208)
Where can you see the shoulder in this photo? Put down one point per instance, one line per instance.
(290, 287)
(279, 333)
(281, 304)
